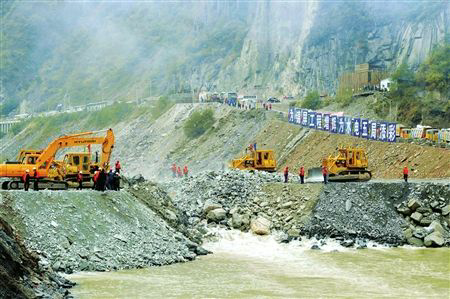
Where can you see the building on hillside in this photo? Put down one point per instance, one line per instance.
(96, 106)
(385, 84)
(364, 78)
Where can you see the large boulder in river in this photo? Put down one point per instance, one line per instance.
(434, 239)
(260, 226)
(216, 215)
(209, 206)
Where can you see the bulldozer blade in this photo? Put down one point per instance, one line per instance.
(315, 172)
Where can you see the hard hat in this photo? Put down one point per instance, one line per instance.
(100, 168)
(81, 171)
(34, 168)
(27, 170)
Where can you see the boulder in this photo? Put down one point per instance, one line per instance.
(415, 242)
(419, 232)
(434, 239)
(435, 226)
(408, 233)
(348, 205)
(347, 243)
(209, 206)
(413, 204)
(216, 215)
(446, 210)
(416, 216)
(239, 221)
(260, 226)
(293, 233)
(425, 221)
(404, 210)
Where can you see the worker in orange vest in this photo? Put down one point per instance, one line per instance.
(325, 174)
(180, 175)
(405, 173)
(174, 170)
(301, 173)
(286, 174)
(185, 170)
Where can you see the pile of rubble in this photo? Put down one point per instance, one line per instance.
(426, 212)
(353, 213)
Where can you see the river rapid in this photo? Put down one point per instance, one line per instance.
(248, 266)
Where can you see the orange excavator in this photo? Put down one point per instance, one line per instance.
(44, 161)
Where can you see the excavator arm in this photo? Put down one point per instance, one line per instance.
(48, 155)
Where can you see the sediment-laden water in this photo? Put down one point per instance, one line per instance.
(247, 266)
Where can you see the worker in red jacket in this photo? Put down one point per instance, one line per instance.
(405, 173)
(95, 179)
(35, 180)
(325, 174)
(185, 170)
(286, 174)
(174, 170)
(80, 180)
(118, 167)
(180, 174)
(301, 173)
(26, 180)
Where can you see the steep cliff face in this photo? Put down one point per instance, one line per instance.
(85, 52)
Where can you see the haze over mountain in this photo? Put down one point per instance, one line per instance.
(80, 52)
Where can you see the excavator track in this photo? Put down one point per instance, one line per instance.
(43, 184)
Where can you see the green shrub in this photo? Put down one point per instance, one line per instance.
(198, 123)
(162, 105)
(312, 100)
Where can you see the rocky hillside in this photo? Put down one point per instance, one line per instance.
(74, 53)
(89, 230)
(23, 274)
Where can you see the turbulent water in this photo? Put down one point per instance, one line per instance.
(246, 266)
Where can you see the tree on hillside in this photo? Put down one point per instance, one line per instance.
(198, 123)
(435, 71)
(312, 100)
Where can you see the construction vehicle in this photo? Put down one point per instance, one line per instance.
(350, 164)
(54, 174)
(256, 160)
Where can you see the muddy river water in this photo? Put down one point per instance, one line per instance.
(246, 266)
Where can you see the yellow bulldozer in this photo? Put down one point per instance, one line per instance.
(350, 164)
(256, 160)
